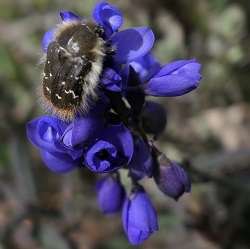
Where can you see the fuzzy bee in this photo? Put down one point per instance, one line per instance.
(73, 65)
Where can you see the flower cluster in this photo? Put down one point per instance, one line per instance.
(113, 135)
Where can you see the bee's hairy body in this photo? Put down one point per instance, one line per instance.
(73, 66)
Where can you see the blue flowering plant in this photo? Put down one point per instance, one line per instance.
(114, 133)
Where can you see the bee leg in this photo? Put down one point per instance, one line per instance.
(99, 30)
(110, 49)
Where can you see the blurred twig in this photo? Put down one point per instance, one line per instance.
(207, 177)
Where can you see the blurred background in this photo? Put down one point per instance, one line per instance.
(208, 132)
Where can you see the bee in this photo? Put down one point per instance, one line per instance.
(73, 65)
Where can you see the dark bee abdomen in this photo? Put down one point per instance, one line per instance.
(74, 63)
(63, 78)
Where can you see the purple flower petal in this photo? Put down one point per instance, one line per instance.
(138, 216)
(108, 16)
(132, 43)
(146, 66)
(120, 136)
(111, 80)
(170, 178)
(102, 157)
(174, 79)
(111, 151)
(75, 153)
(141, 164)
(45, 133)
(175, 65)
(136, 236)
(59, 162)
(47, 39)
(111, 193)
(83, 131)
(69, 16)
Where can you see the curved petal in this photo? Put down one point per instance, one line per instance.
(171, 85)
(111, 151)
(175, 65)
(120, 136)
(101, 157)
(83, 131)
(111, 194)
(141, 164)
(132, 43)
(44, 133)
(125, 213)
(111, 80)
(108, 16)
(138, 216)
(174, 79)
(136, 236)
(59, 162)
(48, 129)
(170, 178)
(146, 66)
(47, 39)
(143, 215)
(69, 16)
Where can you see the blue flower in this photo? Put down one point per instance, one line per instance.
(110, 80)
(61, 162)
(170, 178)
(110, 193)
(48, 37)
(69, 16)
(112, 150)
(141, 164)
(113, 132)
(109, 17)
(138, 216)
(146, 66)
(132, 43)
(45, 133)
(174, 79)
(83, 131)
